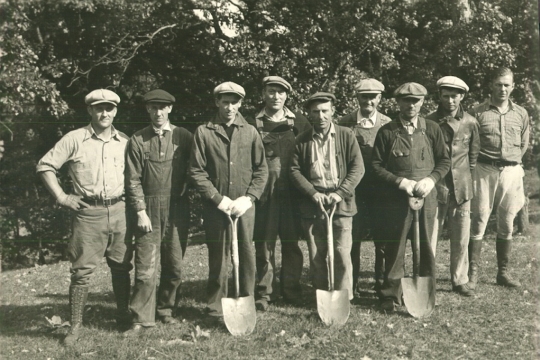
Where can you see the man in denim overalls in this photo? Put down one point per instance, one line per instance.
(409, 158)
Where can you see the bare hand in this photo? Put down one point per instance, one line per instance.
(240, 206)
(320, 199)
(74, 202)
(424, 187)
(407, 186)
(333, 199)
(143, 222)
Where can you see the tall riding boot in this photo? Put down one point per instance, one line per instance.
(475, 249)
(77, 300)
(503, 253)
(121, 284)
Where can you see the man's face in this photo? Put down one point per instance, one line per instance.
(159, 113)
(450, 99)
(409, 107)
(102, 115)
(502, 87)
(321, 115)
(228, 105)
(274, 97)
(368, 103)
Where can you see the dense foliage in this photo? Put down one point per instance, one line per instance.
(53, 52)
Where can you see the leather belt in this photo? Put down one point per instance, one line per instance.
(103, 202)
(498, 163)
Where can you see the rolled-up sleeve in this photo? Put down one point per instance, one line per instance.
(57, 156)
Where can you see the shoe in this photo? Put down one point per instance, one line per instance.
(135, 329)
(503, 253)
(261, 305)
(388, 305)
(464, 290)
(168, 320)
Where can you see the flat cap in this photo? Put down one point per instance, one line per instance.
(276, 80)
(229, 88)
(410, 89)
(99, 96)
(369, 86)
(320, 96)
(159, 96)
(452, 82)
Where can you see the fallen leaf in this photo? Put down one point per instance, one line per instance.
(201, 333)
(54, 321)
(357, 332)
(281, 333)
(390, 326)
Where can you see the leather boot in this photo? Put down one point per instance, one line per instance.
(121, 284)
(379, 267)
(77, 300)
(475, 249)
(503, 253)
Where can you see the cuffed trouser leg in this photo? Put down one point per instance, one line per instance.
(459, 224)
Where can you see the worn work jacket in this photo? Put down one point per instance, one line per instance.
(222, 167)
(350, 171)
(463, 145)
(156, 167)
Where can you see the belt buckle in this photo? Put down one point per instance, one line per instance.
(107, 202)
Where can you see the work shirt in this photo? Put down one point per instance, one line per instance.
(287, 114)
(409, 125)
(502, 136)
(161, 131)
(324, 174)
(366, 123)
(95, 166)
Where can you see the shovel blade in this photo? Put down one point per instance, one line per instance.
(239, 315)
(333, 306)
(419, 295)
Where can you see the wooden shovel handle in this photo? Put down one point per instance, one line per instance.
(233, 220)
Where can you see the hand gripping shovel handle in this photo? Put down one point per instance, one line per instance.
(235, 258)
(416, 204)
(329, 242)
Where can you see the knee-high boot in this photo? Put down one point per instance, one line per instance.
(503, 253)
(475, 249)
(77, 300)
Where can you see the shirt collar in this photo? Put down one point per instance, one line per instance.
(166, 127)
(441, 113)
(491, 105)
(90, 132)
(360, 117)
(287, 114)
(413, 122)
(332, 132)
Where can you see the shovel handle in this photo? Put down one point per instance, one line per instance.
(416, 204)
(329, 215)
(235, 258)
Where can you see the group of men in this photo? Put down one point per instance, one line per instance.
(277, 172)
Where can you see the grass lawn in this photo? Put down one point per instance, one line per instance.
(497, 323)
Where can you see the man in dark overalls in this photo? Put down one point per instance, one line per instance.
(409, 158)
(276, 215)
(156, 168)
(365, 123)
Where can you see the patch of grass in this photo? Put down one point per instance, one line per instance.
(497, 323)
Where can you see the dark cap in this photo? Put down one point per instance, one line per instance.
(369, 86)
(229, 88)
(410, 89)
(159, 96)
(321, 97)
(276, 80)
(99, 96)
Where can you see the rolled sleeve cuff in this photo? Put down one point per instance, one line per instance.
(252, 197)
(216, 198)
(399, 180)
(40, 168)
(139, 205)
(343, 193)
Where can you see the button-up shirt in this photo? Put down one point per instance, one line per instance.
(95, 165)
(366, 123)
(409, 125)
(287, 114)
(502, 136)
(161, 131)
(324, 173)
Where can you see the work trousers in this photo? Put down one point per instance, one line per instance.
(218, 241)
(459, 227)
(316, 234)
(499, 188)
(165, 245)
(98, 231)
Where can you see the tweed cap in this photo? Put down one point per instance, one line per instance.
(99, 96)
(452, 82)
(369, 86)
(229, 88)
(276, 80)
(159, 96)
(410, 89)
(320, 96)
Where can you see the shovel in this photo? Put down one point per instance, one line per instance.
(418, 292)
(333, 306)
(238, 313)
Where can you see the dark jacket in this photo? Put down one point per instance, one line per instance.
(222, 167)
(350, 171)
(463, 145)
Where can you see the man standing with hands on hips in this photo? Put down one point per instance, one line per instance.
(498, 177)
(157, 161)
(94, 156)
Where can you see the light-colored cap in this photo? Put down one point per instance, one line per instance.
(276, 80)
(229, 88)
(410, 89)
(452, 82)
(369, 86)
(99, 96)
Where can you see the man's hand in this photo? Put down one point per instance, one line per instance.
(407, 186)
(424, 187)
(73, 202)
(240, 206)
(143, 221)
(1, 149)
(320, 199)
(225, 205)
(333, 199)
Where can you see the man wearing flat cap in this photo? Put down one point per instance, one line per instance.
(455, 190)
(277, 214)
(326, 167)
(228, 168)
(94, 156)
(365, 123)
(409, 158)
(157, 159)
